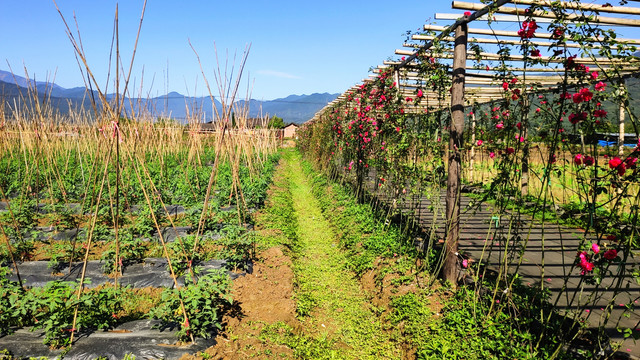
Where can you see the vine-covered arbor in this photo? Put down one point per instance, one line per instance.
(522, 91)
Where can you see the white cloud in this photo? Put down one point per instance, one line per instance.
(279, 74)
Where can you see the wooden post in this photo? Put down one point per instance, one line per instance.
(621, 131)
(473, 146)
(450, 268)
(524, 175)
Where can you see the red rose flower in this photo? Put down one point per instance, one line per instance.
(588, 160)
(576, 118)
(577, 98)
(586, 94)
(577, 159)
(615, 162)
(611, 254)
(558, 33)
(599, 113)
(630, 162)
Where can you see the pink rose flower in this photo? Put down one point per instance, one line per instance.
(577, 159)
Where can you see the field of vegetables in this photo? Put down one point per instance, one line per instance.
(111, 223)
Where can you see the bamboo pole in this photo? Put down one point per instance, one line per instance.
(524, 179)
(626, 10)
(88, 248)
(621, 129)
(495, 41)
(491, 70)
(472, 153)
(549, 59)
(540, 35)
(117, 133)
(479, 79)
(162, 241)
(396, 78)
(549, 15)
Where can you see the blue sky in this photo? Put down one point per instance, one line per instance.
(297, 47)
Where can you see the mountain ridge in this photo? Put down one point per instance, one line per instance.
(292, 108)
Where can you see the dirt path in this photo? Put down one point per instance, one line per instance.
(263, 297)
(310, 307)
(342, 312)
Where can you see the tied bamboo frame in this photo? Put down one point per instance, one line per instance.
(38, 134)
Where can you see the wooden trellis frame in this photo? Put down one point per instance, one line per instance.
(486, 86)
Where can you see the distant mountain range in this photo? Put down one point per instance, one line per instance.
(292, 109)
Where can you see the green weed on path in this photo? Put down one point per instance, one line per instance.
(331, 304)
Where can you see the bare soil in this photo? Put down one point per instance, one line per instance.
(262, 297)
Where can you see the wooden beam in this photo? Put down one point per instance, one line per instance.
(626, 10)
(491, 79)
(481, 89)
(540, 35)
(494, 17)
(398, 63)
(482, 85)
(529, 70)
(496, 41)
(577, 60)
(520, 58)
(543, 14)
(621, 131)
(452, 27)
(488, 32)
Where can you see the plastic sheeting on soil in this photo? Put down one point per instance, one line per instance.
(152, 272)
(76, 208)
(169, 234)
(142, 338)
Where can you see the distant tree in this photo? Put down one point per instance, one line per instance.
(276, 123)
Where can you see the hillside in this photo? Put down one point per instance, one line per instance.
(292, 109)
